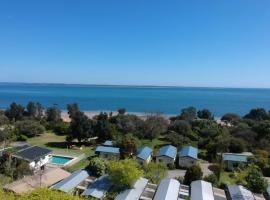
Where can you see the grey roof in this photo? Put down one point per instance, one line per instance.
(99, 188)
(32, 153)
(108, 143)
(69, 183)
(201, 190)
(168, 150)
(168, 189)
(238, 157)
(135, 192)
(238, 192)
(144, 153)
(105, 149)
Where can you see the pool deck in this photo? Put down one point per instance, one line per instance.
(75, 159)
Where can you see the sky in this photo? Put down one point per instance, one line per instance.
(209, 43)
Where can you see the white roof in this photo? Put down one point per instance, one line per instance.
(168, 189)
(238, 192)
(201, 190)
(135, 192)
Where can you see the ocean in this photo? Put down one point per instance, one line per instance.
(167, 100)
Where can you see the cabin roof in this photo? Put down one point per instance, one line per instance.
(168, 189)
(144, 153)
(201, 190)
(168, 150)
(108, 149)
(189, 151)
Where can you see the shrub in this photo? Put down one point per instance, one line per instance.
(97, 166)
(193, 173)
(212, 178)
(155, 172)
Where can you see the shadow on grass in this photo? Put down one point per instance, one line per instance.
(64, 145)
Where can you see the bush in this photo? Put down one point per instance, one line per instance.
(155, 172)
(97, 166)
(255, 180)
(171, 166)
(212, 178)
(193, 173)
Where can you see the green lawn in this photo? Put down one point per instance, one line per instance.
(58, 144)
(231, 178)
(80, 165)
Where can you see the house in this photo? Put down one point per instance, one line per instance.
(166, 155)
(47, 178)
(144, 155)
(234, 160)
(135, 192)
(108, 143)
(111, 153)
(201, 190)
(168, 189)
(238, 192)
(99, 188)
(36, 156)
(70, 184)
(188, 156)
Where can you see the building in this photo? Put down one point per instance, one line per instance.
(188, 156)
(166, 155)
(47, 178)
(111, 153)
(238, 192)
(135, 192)
(168, 189)
(234, 160)
(144, 155)
(99, 188)
(37, 157)
(201, 190)
(219, 194)
(70, 184)
(108, 143)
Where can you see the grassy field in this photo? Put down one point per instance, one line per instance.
(58, 144)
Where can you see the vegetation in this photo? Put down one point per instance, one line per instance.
(97, 166)
(255, 181)
(124, 173)
(155, 172)
(193, 173)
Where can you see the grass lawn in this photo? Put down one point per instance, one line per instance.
(80, 165)
(231, 178)
(4, 180)
(58, 144)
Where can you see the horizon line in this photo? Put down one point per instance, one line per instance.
(130, 85)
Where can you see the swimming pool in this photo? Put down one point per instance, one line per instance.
(60, 160)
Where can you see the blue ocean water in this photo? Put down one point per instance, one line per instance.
(168, 100)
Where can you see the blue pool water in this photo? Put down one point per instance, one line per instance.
(60, 160)
(168, 100)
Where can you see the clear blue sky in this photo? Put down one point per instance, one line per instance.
(139, 42)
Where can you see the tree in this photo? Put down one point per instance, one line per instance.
(205, 114)
(102, 127)
(237, 145)
(72, 109)
(121, 111)
(128, 145)
(3, 120)
(181, 127)
(53, 114)
(155, 172)
(154, 125)
(189, 113)
(5, 136)
(81, 127)
(97, 166)
(124, 172)
(255, 180)
(193, 173)
(257, 114)
(230, 117)
(212, 178)
(15, 112)
(29, 128)
(177, 140)
(34, 110)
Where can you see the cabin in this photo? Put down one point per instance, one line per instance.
(74, 183)
(144, 155)
(168, 189)
(238, 192)
(37, 157)
(110, 153)
(201, 190)
(99, 188)
(188, 156)
(219, 194)
(135, 192)
(235, 160)
(108, 143)
(166, 155)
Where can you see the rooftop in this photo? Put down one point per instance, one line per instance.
(135, 192)
(201, 190)
(189, 151)
(238, 192)
(168, 150)
(238, 157)
(32, 153)
(99, 188)
(144, 152)
(168, 189)
(108, 149)
(69, 183)
(108, 143)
